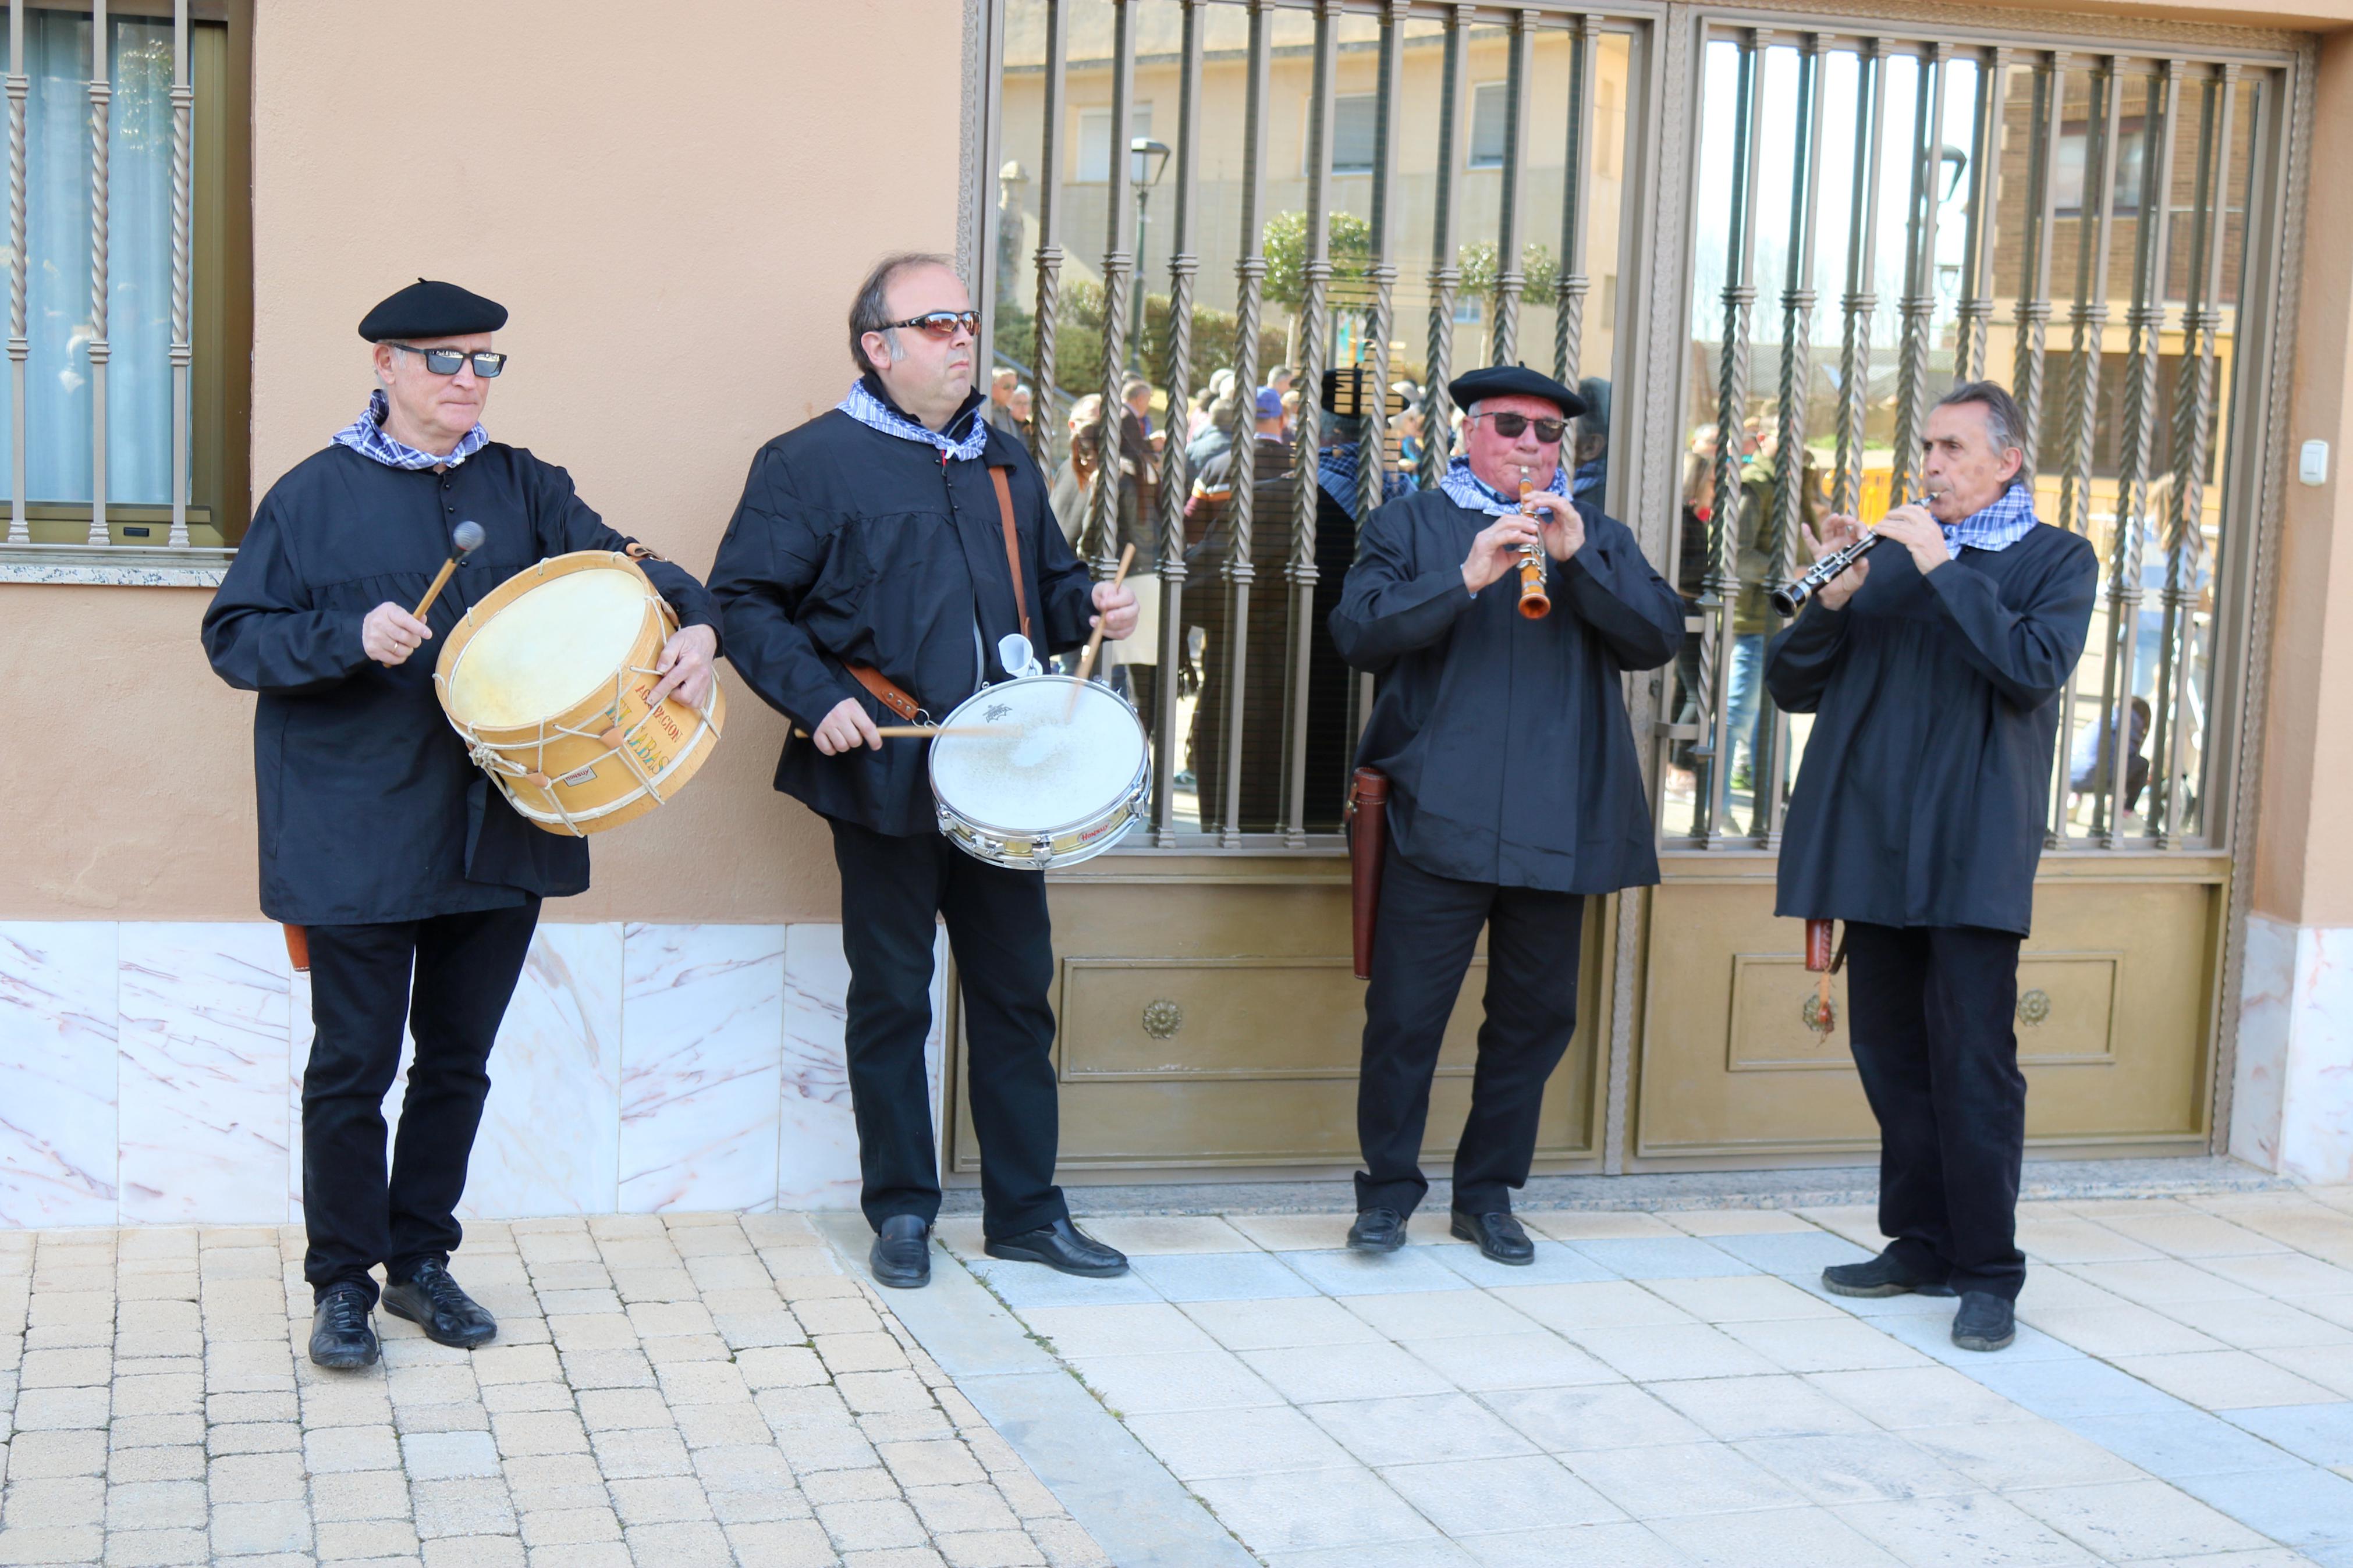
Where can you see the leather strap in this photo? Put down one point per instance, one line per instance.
(885, 691)
(1012, 549)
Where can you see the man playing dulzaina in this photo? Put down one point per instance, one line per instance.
(1514, 789)
(420, 886)
(1934, 672)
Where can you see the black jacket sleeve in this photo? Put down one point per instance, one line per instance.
(261, 632)
(2026, 653)
(770, 556)
(1799, 663)
(564, 524)
(1387, 608)
(1613, 590)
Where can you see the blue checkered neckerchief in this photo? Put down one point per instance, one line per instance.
(1468, 490)
(871, 411)
(365, 435)
(2010, 519)
(1335, 470)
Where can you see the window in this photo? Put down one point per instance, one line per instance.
(1489, 124)
(56, 465)
(2075, 140)
(1094, 140)
(1355, 133)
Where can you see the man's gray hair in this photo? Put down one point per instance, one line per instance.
(869, 311)
(2004, 423)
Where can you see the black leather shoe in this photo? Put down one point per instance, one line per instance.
(1985, 1322)
(433, 1302)
(901, 1256)
(1061, 1245)
(1499, 1236)
(1377, 1230)
(1879, 1276)
(341, 1336)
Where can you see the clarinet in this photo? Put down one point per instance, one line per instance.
(1789, 600)
(1534, 602)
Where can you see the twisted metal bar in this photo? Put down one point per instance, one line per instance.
(1919, 270)
(20, 347)
(2193, 414)
(1571, 284)
(1176, 468)
(1858, 303)
(1445, 272)
(1250, 274)
(1316, 276)
(1766, 769)
(101, 94)
(184, 99)
(1973, 331)
(2033, 316)
(1503, 342)
(1046, 405)
(2145, 320)
(2090, 315)
(1101, 544)
(1720, 586)
(1380, 319)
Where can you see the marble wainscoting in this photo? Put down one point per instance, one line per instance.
(2292, 1092)
(151, 1073)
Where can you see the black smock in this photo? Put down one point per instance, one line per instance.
(370, 811)
(1505, 740)
(852, 545)
(1923, 792)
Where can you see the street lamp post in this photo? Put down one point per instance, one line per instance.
(1147, 160)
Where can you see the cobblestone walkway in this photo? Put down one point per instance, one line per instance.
(678, 1391)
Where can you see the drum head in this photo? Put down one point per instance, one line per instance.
(550, 649)
(1053, 772)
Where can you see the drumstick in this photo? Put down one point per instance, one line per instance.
(464, 540)
(925, 732)
(1087, 659)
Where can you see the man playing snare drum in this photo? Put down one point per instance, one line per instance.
(418, 883)
(869, 576)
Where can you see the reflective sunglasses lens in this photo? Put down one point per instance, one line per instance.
(945, 323)
(1550, 429)
(443, 362)
(1510, 426)
(488, 365)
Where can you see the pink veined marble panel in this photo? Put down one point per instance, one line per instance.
(58, 1040)
(2316, 1141)
(703, 1010)
(817, 1167)
(551, 1132)
(2267, 984)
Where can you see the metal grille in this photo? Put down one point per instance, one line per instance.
(97, 351)
(1412, 266)
(1939, 191)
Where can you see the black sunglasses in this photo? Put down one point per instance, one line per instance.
(1511, 426)
(940, 324)
(445, 361)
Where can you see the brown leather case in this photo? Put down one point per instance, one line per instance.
(298, 948)
(1368, 841)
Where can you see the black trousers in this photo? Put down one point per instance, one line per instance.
(1935, 1037)
(448, 979)
(1429, 926)
(892, 888)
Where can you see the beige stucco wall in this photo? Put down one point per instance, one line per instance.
(676, 202)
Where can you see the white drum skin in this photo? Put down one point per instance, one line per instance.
(1057, 790)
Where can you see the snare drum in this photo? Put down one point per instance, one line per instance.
(1063, 785)
(546, 681)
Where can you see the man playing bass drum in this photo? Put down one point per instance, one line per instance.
(1934, 673)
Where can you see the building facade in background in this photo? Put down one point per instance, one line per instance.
(1771, 233)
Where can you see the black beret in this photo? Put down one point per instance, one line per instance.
(429, 310)
(1512, 381)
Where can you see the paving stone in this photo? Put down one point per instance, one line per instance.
(457, 1508)
(529, 1434)
(447, 1456)
(377, 1538)
(570, 1527)
(56, 1454)
(156, 1548)
(652, 1451)
(659, 1499)
(255, 1526)
(180, 1462)
(475, 1552)
(866, 1526)
(783, 1543)
(334, 1448)
(359, 1494)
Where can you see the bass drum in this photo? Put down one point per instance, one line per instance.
(1061, 780)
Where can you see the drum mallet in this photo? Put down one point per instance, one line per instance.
(464, 540)
(1094, 642)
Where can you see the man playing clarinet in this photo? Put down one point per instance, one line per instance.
(1934, 672)
(1513, 790)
